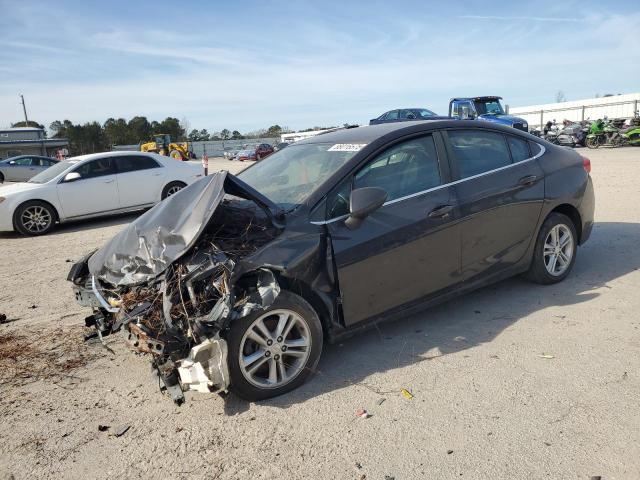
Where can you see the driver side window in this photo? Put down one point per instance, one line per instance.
(96, 168)
(405, 169)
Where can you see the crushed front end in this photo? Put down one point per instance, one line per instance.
(174, 278)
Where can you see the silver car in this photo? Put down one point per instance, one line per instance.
(22, 168)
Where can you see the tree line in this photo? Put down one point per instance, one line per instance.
(94, 137)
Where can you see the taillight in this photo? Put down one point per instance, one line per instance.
(586, 164)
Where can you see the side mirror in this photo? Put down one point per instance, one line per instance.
(72, 177)
(12, 162)
(363, 202)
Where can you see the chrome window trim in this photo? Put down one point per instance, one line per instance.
(396, 200)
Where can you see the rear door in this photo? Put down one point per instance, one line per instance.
(407, 249)
(500, 190)
(96, 191)
(140, 180)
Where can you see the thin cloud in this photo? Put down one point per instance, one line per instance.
(533, 19)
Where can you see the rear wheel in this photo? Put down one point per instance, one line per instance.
(276, 350)
(34, 218)
(172, 188)
(1, 178)
(592, 142)
(555, 250)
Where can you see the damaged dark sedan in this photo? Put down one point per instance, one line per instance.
(236, 281)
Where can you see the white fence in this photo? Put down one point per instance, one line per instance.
(617, 106)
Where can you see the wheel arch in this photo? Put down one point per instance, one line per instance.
(55, 210)
(573, 213)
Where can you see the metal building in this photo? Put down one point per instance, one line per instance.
(28, 141)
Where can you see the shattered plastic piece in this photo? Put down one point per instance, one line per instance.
(546, 355)
(362, 413)
(121, 430)
(406, 394)
(205, 369)
(103, 428)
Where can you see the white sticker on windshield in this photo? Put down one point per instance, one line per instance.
(347, 147)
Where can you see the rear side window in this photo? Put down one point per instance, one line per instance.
(393, 115)
(135, 163)
(519, 148)
(478, 151)
(96, 168)
(535, 148)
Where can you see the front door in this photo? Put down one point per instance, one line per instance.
(407, 249)
(500, 193)
(96, 191)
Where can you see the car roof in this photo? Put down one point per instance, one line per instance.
(369, 133)
(119, 153)
(484, 97)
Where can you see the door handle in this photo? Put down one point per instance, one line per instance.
(528, 180)
(109, 181)
(441, 212)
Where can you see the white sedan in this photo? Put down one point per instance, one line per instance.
(90, 186)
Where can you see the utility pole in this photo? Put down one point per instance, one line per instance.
(24, 109)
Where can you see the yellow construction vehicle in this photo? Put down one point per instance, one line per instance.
(163, 145)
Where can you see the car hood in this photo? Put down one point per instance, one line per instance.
(18, 188)
(506, 119)
(152, 242)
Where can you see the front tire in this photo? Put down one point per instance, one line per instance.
(274, 351)
(555, 250)
(593, 142)
(172, 188)
(34, 218)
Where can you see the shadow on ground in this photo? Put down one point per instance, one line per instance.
(85, 225)
(466, 322)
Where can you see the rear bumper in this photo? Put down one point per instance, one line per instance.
(587, 210)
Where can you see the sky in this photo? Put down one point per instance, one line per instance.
(248, 65)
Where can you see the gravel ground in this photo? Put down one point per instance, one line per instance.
(487, 402)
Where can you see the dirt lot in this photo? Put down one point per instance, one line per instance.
(487, 402)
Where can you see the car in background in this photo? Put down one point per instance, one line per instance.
(23, 167)
(404, 115)
(246, 154)
(279, 146)
(263, 150)
(487, 108)
(89, 186)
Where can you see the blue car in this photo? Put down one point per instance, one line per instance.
(486, 108)
(405, 115)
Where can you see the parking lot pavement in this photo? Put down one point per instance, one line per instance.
(512, 381)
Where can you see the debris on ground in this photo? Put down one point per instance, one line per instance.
(27, 356)
(121, 430)
(546, 355)
(33, 307)
(362, 413)
(380, 401)
(449, 452)
(406, 394)
(3, 318)
(103, 428)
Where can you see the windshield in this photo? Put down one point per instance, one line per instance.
(488, 107)
(52, 172)
(289, 176)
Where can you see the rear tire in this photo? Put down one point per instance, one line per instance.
(593, 142)
(34, 218)
(1, 178)
(171, 188)
(264, 370)
(555, 251)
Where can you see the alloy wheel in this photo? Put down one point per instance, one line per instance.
(174, 189)
(36, 219)
(275, 349)
(558, 250)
